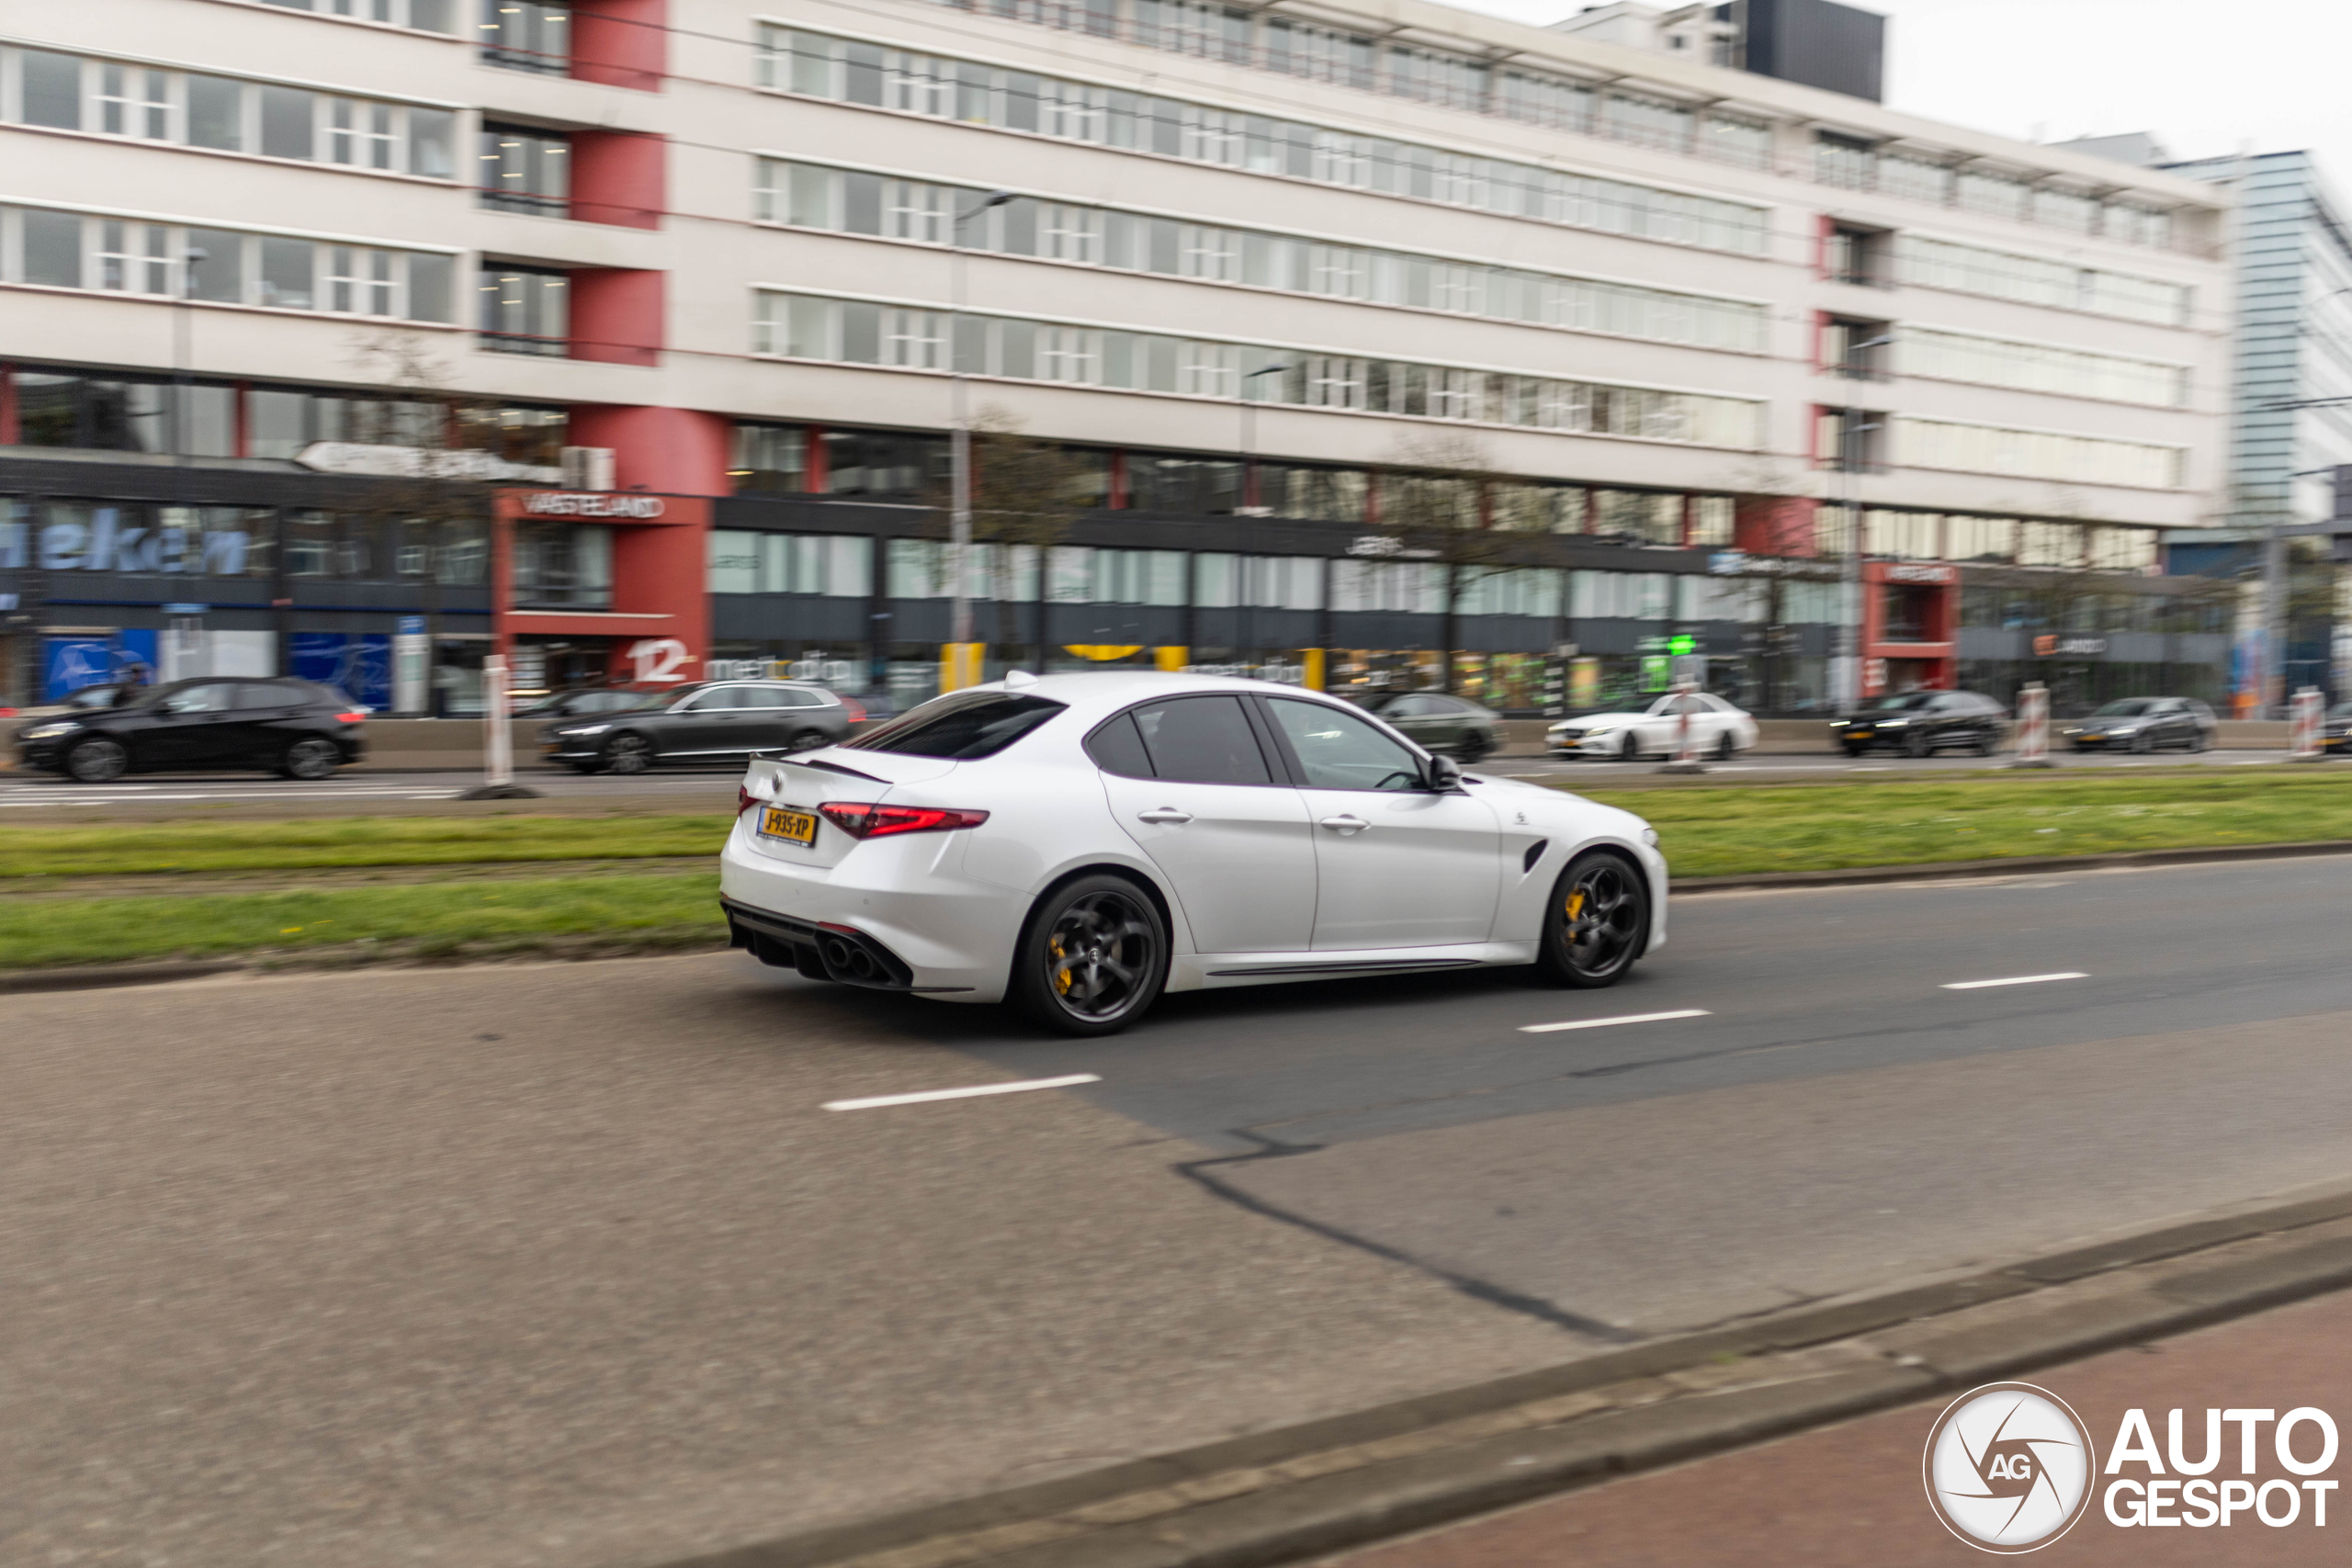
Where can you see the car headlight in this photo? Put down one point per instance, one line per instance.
(1650, 837)
(1892, 723)
(1596, 729)
(47, 731)
(585, 730)
(2125, 729)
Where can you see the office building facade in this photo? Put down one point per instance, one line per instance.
(625, 337)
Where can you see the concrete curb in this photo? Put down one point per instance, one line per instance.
(1935, 870)
(1283, 1497)
(98, 976)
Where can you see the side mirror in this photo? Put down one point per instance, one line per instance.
(1444, 775)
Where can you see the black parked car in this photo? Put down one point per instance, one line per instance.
(1919, 724)
(296, 727)
(717, 721)
(585, 700)
(2336, 730)
(2145, 724)
(1439, 723)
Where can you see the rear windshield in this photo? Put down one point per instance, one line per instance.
(980, 724)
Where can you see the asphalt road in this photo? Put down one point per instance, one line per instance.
(571, 1265)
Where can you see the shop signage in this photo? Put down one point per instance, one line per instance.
(1911, 572)
(412, 665)
(660, 660)
(1382, 545)
(590, 504)
(1727, 563)
(106, 544)
(2046, 647)
(419, 463)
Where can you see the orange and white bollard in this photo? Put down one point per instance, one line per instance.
(2304, 724)
(2033, 728)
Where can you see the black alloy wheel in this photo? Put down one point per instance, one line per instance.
(1597, 923)
(1724, 749)
(627, 754)
(312, 757)
(1918, 743)
(1854, 750)
(1094, 957)
(1471, 745)
(1631, 750)
(97, 761)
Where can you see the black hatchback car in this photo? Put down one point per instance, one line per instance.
(2145, 724)
(1919, 724)
(717, 721)
(298, 728)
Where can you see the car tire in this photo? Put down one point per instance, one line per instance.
(583, 768)
(1092, 957)
(1596, 923)
(1724, 749)
(2141, 744)
(625, 754)
(1630, 750)
(96, 761)
(1918, 743)
(808, 740)
(1856, 750)
(311, 759)
(1473, 745)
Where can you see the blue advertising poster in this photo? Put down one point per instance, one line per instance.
(70, 663)
(359, 666)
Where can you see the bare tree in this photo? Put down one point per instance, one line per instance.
(1026, 493)
(1437, 505)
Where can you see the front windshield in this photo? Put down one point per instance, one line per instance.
(1909, 700)
(2131, 709)
(100, 697)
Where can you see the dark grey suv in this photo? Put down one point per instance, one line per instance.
(1439, 722)
(717, 721)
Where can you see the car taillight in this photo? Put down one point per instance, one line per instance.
(356, 716)
(746, 799)
(861, 820)
(856, 709)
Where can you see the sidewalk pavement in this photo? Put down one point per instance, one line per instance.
(1851, 1495)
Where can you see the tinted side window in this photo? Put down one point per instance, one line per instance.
(212, 697)
(1117, 748)
(1203, 741)
(268, 694)
(710, 702)
(767, 697)
(1338, 751)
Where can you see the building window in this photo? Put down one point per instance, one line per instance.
(526, 311)
(134, 102)
(1858, 255)
(359, 133)
(533, 436)
(526, 171)
(1855, 349)
(770, 459)
(526, 35)
(563, 565)
(426, 16)
(113, 414)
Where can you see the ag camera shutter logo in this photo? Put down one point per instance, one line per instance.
(2009, 1468)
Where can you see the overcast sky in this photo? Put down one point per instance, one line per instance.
(2207, 76)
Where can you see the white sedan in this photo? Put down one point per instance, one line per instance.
(1717, 729)
(1077, 844)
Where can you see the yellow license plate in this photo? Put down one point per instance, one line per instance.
(776, 822)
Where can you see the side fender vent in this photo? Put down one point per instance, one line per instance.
(1534, 853)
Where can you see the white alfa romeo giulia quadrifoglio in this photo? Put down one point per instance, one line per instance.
(1076, 844)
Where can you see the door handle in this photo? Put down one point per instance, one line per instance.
(1345, 825)
(1165, 816)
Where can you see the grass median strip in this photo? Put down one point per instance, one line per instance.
(182, 845)
(1743, 830)
(425, 922)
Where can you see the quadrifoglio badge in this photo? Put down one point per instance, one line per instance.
(2010, 1468)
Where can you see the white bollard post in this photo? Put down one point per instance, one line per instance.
(2033, 728)
(1686, 751)
(2306, 712)
(497, 739)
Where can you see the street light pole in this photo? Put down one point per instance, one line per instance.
(1249, 433)
(959, 521)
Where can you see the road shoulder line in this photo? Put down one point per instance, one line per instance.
(1346, 1481)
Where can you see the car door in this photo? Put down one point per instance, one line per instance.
(706, 723)
(1395, 866)
(1188, 780)
(765, 721)
(2172, 724)
(267, 718)
(195, 726)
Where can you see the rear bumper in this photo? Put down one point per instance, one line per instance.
(921, 926)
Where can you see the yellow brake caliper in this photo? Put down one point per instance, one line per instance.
(1061, 969)
(1576, 908)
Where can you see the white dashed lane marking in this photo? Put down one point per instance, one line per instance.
(875, 1101)
(2014, 980)
(1605, 1022)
